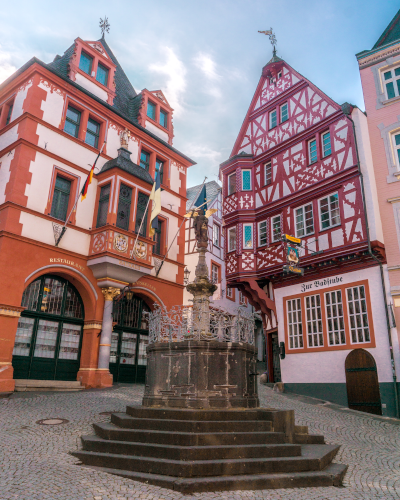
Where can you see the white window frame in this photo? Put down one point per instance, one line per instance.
(245, 247)
(270, 119)
(366, 329)
(393, 79)
(295, 328)
(323, 144)
(287, 112)
(217, 226)
(229, 293)
(272, 228)
(229, 176)
(314, 322)
(214, 267)
(242, 298)
(266, 165)
(310, 162)
(396, 148)
(303, 209)
(251, 183)
(229, 239)
(265, 222)
(330, 213)
(336, 316)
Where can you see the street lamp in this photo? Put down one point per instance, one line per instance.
(186, 272)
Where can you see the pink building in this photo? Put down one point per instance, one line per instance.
(380, 78)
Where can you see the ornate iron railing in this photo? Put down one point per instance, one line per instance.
(200, 322)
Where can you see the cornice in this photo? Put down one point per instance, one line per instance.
(378, 55)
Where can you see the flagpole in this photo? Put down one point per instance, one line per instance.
(76, 201)
(140, 228)
(180, 227)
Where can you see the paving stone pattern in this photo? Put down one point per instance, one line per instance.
(35, 464)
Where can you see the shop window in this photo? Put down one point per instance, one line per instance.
(145, 160)
(231, 239)
(92, 133)
(312, 151)
(392, 83)
(163, 119)
(59, 206)
(231, 184)
(246, 180)
(103, 205)
(72, 121)
(284, 113)
(141, 214)
(124, 206)
(314, 321)
(329, 211)
(358, 315)
(214, 273)
(158, 238)
(335, 319)
(268, 173)
(326, 144)
(102, 75)
(9, 112)
(159, 168)
(262, 233)
(247, 236)
(304, 220)
(151, 110)
(216, 235)
(295, 325)
(85, 63)
(272, 119)
(276, 228)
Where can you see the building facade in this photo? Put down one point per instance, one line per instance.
(62, 313)
(301, 166)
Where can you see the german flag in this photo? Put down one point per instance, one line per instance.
(90, 176)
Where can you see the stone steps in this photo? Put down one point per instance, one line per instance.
(27, 385)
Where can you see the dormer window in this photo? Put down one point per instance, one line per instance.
(85, 63)
(102, 74)
(72, 121)
(163, 119)
(151, 110)
(92, 133)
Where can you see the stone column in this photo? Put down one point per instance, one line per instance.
(105, 339)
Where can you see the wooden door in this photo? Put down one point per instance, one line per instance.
(362, 382)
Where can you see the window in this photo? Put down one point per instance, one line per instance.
(232, 184)
(392, 83)
(329, 211)
(268, 173)
(312, 151)
(334, 316)
(314, 321)
(159, 168)
(246, 180)
(284, 113)
(59, 206)
(276, 228)
(85, 63)
(247, 236)
(9, 113)
(231, 239)
(214, 273)
(279, 75)
(262, 233)
(151, 110)
(140, 214)
(216, 235)
(396, 139)
(304, 220)
(272, 119)
(358, 315)
(242, 298)
(92, 133)
(295, 324)
(145, 160)
(229, 293)
(72, 121)
(103, 205)
(124, 206)
(158, 247)
(163, 119)
(102, 74)
(326, 144)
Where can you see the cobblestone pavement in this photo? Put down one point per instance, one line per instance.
(35, 464)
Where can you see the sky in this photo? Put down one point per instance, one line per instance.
(206, 55)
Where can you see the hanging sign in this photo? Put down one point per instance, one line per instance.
(292, 255)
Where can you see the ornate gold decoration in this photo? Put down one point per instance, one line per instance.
(96, 325)
(12, 311)
(124, 138)
(121, 243)
(110, 292)
(141, 250)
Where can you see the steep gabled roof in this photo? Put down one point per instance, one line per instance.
(391, 33)
(212, 190)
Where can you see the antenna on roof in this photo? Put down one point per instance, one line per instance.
(104, 26)
(272, 38)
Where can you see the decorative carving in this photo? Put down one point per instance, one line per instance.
(110, 292)
(141, 250)
(51, 87)
(57, 229)
(124, 138)
(13, 311)
(120, 242)
(157, 264)
(99, 242)
(93, 325)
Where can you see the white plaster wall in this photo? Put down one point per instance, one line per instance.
(91, 86)
(5, 174)
(328, 366)
(114, 143)
(19, 101)
(168, 272)
(8, 137)
(367, 169)
(156, 131)
(173, 226)
(168, 199)
(52, 107)
(40, 229)
(175, 182)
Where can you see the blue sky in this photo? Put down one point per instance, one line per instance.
(206, 55)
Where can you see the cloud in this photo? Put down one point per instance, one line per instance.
(6, 68)
(175, 71)
(207, 65)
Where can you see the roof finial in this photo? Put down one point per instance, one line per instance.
(104, 26)
(272, 38)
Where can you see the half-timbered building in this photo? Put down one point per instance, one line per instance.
(301, 166)
(74, 312)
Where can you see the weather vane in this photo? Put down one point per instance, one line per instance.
(272, 38)
(104, 26)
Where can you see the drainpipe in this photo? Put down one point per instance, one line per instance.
(396, 395)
